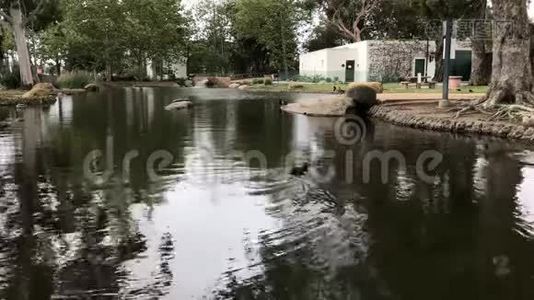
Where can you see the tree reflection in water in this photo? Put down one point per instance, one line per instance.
(465, 235)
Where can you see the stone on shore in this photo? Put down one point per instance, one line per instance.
(234, 85)
(40, 90)
(377, 86)
(91, 87)
(363, 96)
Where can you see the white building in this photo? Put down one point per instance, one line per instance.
(385, 61)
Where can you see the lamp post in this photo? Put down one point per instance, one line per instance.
(444, 102)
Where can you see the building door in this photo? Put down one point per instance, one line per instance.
(420, 64)
(461, 66)
(349, 71)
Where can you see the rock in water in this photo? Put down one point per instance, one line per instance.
(178, 105)
(91, 87)
(363, 96)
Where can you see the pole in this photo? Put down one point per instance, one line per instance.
(446, 68)
(427, 59)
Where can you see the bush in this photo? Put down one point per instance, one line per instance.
(74, 80)
(258, 81)
(376, 86)
(328, 80)
(11, 80)
(294, 86)
(268, 81)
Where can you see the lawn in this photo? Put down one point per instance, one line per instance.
(389, 88)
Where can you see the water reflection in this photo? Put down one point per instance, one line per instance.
(211, 226)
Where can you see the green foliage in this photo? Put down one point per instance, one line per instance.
(273, 24)
(74, 80)
(311, 79)
(11, 80)
(268, 81)
(115, 35)
(323, 36)
(258, 81)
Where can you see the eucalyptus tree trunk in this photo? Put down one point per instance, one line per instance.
(481, 60)
(438, 77)
(481, 64)
(511, 80)
(19, 34)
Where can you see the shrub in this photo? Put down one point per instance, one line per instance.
(328, 80)
(294, 86)
(74, 80)
(268, 81)
(11, 80)
(258, 81)
(376, 86)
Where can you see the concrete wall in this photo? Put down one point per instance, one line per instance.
(374, 60)
(314, 63)
(330, 63)
(391, 60)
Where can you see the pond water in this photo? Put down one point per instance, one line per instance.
(109, 196)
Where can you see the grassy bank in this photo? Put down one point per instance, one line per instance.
(327, 88)
(14, 97)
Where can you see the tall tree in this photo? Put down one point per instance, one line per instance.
(324, 35)
(512, 80)
(350, 16)
(17, 14)
(481, 64)
(274, 25)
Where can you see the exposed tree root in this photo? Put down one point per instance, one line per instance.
(468, 108)
(493, 105)
(513, 112)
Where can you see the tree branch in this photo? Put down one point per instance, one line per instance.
(37, 10)
(363, 11)
(5, 17)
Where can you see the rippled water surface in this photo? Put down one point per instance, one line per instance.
(109, 196)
